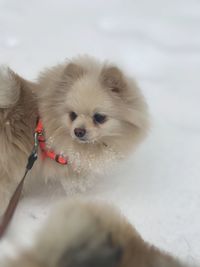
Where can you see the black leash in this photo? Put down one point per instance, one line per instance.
(10, 210)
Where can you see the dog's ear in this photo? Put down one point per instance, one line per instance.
(112, 78)
(86, 255)
(73, 72)
(10, 87)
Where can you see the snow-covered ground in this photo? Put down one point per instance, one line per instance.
(158, 42)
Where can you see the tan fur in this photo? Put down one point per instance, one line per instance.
(17, 120)
(79, 233)
(85, 87)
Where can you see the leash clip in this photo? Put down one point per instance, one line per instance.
(36, 143)
(34, 154)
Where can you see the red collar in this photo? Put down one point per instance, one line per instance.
(45, 152)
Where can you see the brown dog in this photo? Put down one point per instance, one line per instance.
(79, 233)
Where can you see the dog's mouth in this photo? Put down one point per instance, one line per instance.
(91, 142)
(82, 140)
(85, 140)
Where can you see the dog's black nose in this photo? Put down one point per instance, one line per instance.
(79, 132)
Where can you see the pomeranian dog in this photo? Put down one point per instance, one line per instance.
(79, 233)
(90, 114)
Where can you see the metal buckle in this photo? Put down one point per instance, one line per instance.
(36, 143)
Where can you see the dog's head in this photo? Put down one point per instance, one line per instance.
(81, 234)
(91, 103)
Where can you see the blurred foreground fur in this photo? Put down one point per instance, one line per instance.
(92, 113)
(79, 233)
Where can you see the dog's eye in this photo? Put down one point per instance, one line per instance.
(72, 116)
(99, 118)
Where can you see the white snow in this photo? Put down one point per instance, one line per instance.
(158, 42)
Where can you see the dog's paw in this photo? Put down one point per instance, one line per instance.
(9, 87)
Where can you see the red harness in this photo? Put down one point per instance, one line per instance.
(45, 152)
